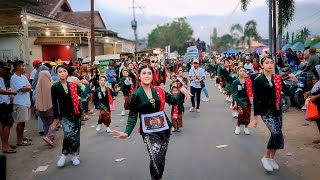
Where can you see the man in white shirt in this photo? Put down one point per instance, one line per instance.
(21, 101)
(6, 119)
(248, 65)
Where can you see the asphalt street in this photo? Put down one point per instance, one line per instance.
(192, 153)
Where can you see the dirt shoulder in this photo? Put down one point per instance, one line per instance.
(298, 134)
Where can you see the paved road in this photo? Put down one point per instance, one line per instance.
(192, 153)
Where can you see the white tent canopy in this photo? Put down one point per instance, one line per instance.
(102, 58)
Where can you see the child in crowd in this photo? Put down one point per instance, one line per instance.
(127, 88)
(177, 110)
(105, 102)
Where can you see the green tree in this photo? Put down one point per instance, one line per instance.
(246, 34)
(286, 9)
(174, 34)
(302, 35)
(287, 37)
(292, 38)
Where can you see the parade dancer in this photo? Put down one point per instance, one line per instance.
(232, 76)
(177, 110)
(243, 99)
(127, 88)
(267, 95)
(225, 72)
(66, 103)
(183, 79)
(148, 103)
(105, 104)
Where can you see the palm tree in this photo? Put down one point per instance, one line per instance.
(246, 34)
(250, 32)
(286, 10)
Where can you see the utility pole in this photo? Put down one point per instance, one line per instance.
(270, 27)
(134, 26)
(92, 34)
(274, 33)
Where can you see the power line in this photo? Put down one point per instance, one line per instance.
(230, 15)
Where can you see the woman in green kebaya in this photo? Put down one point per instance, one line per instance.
(147, 102)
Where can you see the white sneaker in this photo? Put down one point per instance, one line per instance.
(221, 91)
(231, 106)
(98, 127)
(205, 99)
(235, 113)
(215, 85)
(192, 109)
(266, 164)
(304, 107)
(123, 112)
(75, 160)
(273, 164)
(62, 160)
(164, 86)
(109, 130)
(198, 110)
(246, 131)
(237, 131)
(173, 129)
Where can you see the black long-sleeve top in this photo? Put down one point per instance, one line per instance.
(265, 95)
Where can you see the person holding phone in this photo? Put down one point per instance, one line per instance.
(196, 76)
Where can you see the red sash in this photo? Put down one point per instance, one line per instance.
(132, 86)
(162, 97)
(175, 111)
(249, 89)
(74, 97)
(278, 85)
(155, 75)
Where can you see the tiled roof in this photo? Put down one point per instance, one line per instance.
(45, 7)
(81, 18)
(56, 40)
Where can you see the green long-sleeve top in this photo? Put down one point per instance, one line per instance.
(180, 97)
(219, 68)
(264, 99)
(239, 92)
(61, 101)
(103, 98)
(224, 74)
(140, 104)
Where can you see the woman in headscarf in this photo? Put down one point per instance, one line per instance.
(44, 106)
(44, 67)
(315, 98)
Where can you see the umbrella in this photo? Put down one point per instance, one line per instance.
(299, 46)
(231, 51)
(285, 47)
(317, 46)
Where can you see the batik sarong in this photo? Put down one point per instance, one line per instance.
(244, 114)
(177, 122)
(157, 148)
(71, 128)
(274, 124)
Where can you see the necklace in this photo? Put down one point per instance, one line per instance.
(153, 102)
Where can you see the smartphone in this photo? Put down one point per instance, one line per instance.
(3, 165)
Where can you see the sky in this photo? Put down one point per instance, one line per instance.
(202, 15)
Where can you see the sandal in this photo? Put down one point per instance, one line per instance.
(13, 146)
(316, 142)
(48, 141)
(24, 143)
(27, 139)
(10, 151)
